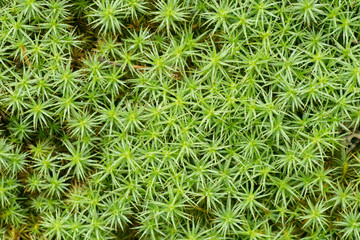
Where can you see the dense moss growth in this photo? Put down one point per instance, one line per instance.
(179, 119)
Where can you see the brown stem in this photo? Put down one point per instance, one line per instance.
(25, 55)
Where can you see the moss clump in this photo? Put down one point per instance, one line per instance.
(179, 119)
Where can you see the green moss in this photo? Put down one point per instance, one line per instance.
(170, 119)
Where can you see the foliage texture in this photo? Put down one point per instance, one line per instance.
(179, 119)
